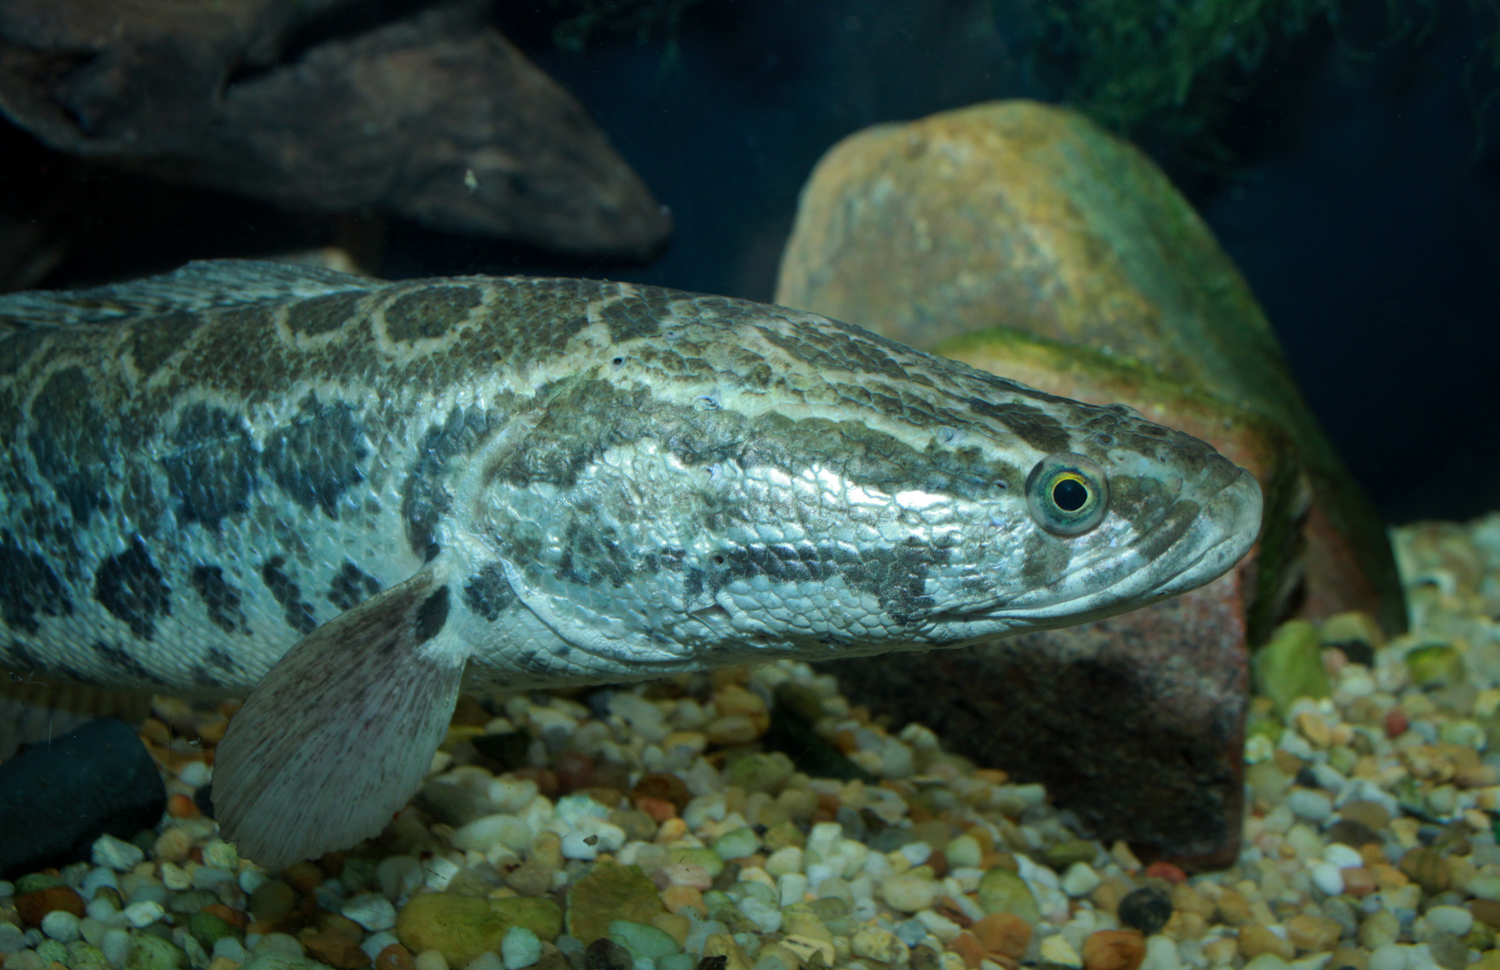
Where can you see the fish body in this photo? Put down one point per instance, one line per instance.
(347, 497)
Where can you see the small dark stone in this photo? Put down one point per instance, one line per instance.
(1306, 779)
(1352, 833)
(713, 963)
(606, 954)
(204, 799)
(506, 750)
(1147, 909)
(96, 780)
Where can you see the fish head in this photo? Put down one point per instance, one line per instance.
(789, 486)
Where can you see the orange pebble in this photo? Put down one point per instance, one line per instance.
(1003, 933)
(1167, 871)
(658, 808)
(228, 914)
(970, 949)
(181, 806)
(1114, 950)
(395, 957)
(678, 898)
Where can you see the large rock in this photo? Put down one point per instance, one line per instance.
(57, 797)
(316, 104)
(1031, 217)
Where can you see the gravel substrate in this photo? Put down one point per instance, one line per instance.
(649, 824)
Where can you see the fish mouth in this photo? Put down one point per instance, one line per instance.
(1197, 539)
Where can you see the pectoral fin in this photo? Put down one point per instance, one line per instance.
(339, 734)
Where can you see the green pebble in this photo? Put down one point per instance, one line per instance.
(677, 961)
(760, 772)
(642, 940)
(711, 861)
(208, 929)
(272, 900)
(1003, 891)
(151, 952)
(736, 844)
(1064, 854)
(190, 901)
(1291, 665)
(52, 951)
(1433, 663)
(83, 955)
(611, 892)
(782, 835)
(462, 927)
(35, 882)
(357, 875)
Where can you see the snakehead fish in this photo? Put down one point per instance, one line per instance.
(346, 499)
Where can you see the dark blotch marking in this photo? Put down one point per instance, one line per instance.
(896, 576)
(220, 597)
(299, 615)
(430, 311)
(133, 590)
(203, 677)
(17, 348)
(222, 659)
(124, 662)
(167, 333)
(73, 442)
(321, 314)
(28, 586)
(1037, 428)
(431, 615)
(424, 500)
(488, 592)
(316, 458)
(636, 316)
(351, 587)
(212, 466)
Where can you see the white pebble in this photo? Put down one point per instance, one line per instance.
(92, 930)
(196, 774)
(916, 853)
(116, 947)
(221, 855)
(430, 960)
(1266, 961)
(376, 942)
(1055, 949)
(230, 949)
(437, 872)
(143, 914)
(1445, 919)
(1327, 877)
(250, 880)
(791, 888)
(61, 926)
(11, 938)
(1343, 856)
(101, 909)
(578, 845)
(1080, 880)
(1389, 957)
(787, 859)
(371, 911)
(97, 877)
(482, 834)
(1161, 954)
(1310, 804)
(520, 948)
(175, 877)
(487, 960)
(116, 854)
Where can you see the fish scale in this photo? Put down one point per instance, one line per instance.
(346, 498)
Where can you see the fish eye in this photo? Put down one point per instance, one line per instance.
(1067, 494)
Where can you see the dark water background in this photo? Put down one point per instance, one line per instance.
(1361, 197)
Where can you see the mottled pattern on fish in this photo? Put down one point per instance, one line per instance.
(599, 481)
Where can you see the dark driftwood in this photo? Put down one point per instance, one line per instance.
(435, 117)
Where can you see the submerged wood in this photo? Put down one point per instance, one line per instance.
(435, 117)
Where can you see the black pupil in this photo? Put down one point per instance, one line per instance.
(1069, 494)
